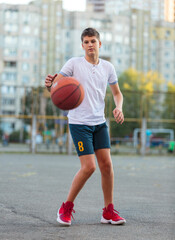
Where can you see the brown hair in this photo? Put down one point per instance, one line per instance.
(90, 32)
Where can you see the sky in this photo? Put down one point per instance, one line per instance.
(70, 5)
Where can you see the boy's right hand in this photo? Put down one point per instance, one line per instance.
(49, 80)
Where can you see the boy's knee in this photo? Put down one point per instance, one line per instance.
(89, 170)
(106, 168)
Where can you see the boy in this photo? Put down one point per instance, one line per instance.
(88, 125)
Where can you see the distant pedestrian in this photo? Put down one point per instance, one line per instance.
(5, 139)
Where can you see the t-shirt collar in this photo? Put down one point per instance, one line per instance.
(91, 64)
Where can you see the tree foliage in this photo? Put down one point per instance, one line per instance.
(143, 98)
(169, 105)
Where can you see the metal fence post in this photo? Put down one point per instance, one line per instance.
(143, 136)
(33, 137)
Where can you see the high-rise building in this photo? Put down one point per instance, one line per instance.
(114, 32)
(19, 56)
(156, 7)
(37, 39)
(98, 5)
(30, 48)
(139, 26)
(162, 53)
(151, 34)
(50, 36)
(169, 10)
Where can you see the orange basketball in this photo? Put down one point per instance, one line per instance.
(67, 93)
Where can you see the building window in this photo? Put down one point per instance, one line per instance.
(167, 65)
(11, 40)
(9, 76)
(8, 101)
(118, 27)
(8, 112)
(118, 39)
(25, 54)
(106, 47)
(119, 61)
(10, 64)
(95, 23)
(153, 66)
(167, 76)
(7, 89)
(154, 43)
(26, 29)
(25, 66)
(10, 52)
(9, 27)
(35, 68)
(167, 34)
(118, 49)
(167, 54)
(108, 36)
(167, 43)
(26, 18)
(36, 32)
(68, 34)
(11, 14)
(45, 6)
(126, 40)
(45, 18)
(25, 79)
(26, 42)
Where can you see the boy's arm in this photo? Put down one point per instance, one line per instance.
(118, 99)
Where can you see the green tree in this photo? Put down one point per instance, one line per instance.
(139, 99)
(169, 106)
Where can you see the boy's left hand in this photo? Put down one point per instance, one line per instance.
(118, 115)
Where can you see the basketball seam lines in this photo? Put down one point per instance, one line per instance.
(78, 98)
(71, 93)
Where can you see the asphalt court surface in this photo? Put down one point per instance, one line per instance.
(32, 187)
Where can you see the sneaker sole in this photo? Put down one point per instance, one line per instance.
(63, 223)
(105, 221)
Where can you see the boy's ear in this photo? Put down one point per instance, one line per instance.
(100, 44)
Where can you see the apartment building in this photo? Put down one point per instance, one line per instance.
(169, 10)
(19, 56)
(114, 31)
(163, 50)
(97, 5)
(51, 27)
(38, 38)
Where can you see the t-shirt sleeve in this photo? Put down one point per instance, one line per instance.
(67, 69)
(113, 79)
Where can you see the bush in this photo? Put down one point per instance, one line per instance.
(15, 136)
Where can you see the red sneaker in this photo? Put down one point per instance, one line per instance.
(65, 213)
(110, 215)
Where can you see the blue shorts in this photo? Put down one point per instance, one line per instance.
(87, 139)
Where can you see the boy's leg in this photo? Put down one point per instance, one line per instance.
(102, 151)
(82, 136)
(83, 140)
(109, 215)
(64, 214)
(107, 174)
(88, 166)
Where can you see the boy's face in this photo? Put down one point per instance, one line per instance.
(91, 46)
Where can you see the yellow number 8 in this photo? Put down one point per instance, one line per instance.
(80, 145)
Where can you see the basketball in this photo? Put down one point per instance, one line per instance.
(67, 93)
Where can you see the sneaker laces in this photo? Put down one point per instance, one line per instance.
(114, 212)
(68, 210)
(111, 210)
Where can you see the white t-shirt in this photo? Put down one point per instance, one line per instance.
(94, 79)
